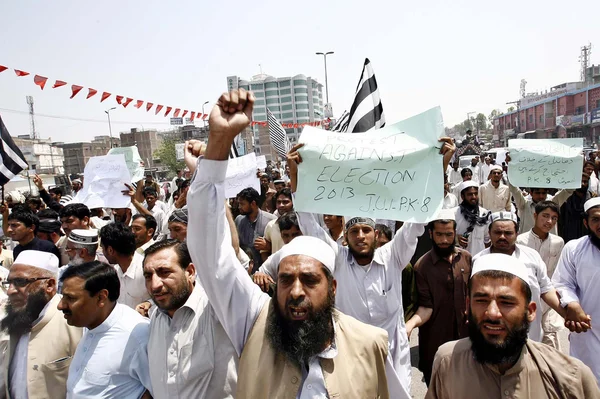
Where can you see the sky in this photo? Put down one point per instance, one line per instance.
(462, 55)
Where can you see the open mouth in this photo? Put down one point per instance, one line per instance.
(493, 329)
(298, 313)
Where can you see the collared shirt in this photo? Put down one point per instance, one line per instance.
(133, 284)
(373, 294)
(442, 287)
(549, 248)
(142, 250)
(454, 177)
(191, 356)
(475, 170)
(577, 278)
(450, 201)
(539, 282)
(248, 231)
(161, 222)
(484, 173)
(480, 234)
(17, 371)
(526, 207)
(540, 372)
(494, 199)
(236, 300)
(111, 360)
(273, 235)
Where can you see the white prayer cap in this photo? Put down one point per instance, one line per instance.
(592, 202)
(503, 215)
(76, 181)
(496, 167)
(308, 246)
(446, 214)
(466, 184)
(80, 236)
(42, 260)
(501, 263)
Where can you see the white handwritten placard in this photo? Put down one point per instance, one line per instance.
(104, 179)
(132, 160)
(391, 173)
(546, 163)
(179, 151)
(241, 173)
(261, 162)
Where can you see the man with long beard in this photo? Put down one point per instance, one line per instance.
(191, 356)
(297, 345)
(471, 219)
(497, 360)
(577, 280)
(41, 343)
(441, 275)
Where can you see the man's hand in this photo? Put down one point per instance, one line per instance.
(260, 244)
(4, 210)
(463, 241)
(192, 150)
(293, 159)
(576, 319)
(232, 113)
(143, 308)
(38, 182)
(263, 280)
(447, 150)
(129, 191)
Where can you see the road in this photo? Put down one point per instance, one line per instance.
(419, 389)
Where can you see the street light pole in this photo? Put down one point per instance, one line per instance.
(109, 125)
(203, 117)
(325, 62)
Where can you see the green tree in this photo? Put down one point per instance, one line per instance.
(511, 109)
(481, 122)
(494, 114)
(168, 156)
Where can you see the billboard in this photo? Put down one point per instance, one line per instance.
(176, 121)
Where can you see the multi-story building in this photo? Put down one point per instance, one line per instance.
(297, 100)
(106, 140)
(567, 110)
(41, 155)
(147, 142)
(78, 154)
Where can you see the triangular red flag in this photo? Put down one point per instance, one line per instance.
(21, 73)
(204, 116)
(40, 81)
(127, 102)
(139, 103)
(184, 113)
(192, 116)
(158, 108)
(149, 106)
(176, 113)
(168, 110)
(58, 83)
(3, 68)
(91, 92)
(119, 99)
(75, 89)
(105, 95)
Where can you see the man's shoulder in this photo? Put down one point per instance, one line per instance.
(268, 215)
(356, 332)
(136, 324)
(554, 357)
(454, 349)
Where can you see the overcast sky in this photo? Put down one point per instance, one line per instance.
(462, 55)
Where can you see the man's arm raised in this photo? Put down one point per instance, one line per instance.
(237, 301)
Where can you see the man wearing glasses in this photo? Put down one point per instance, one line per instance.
(41, 342)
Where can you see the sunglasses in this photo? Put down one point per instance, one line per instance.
(21, 282)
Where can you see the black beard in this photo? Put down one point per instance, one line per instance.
(505, 353)
(468, 205)
(358, 256)
(594, 239)
(442, 252)
(178, 299)
(301, 340)
(19, 322)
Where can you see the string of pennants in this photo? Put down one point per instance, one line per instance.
(125, 101)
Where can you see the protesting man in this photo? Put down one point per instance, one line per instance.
(266, 193)
(335, 227)
(472, 220)
(77, 185)
(549, 246)
(118, 246)
(111, 360)
(144, 228)
(577, 280)
(21, 228)
(454, 176)
(571, 225)
(297, 345)
(72, 217)
(503, 233)
(484, 170)
(442, 275)
(272, 242)
(151, 208)
(191, 356)
(497, 360)
(475, 169)
(178, 222)
(41, 343)
(466, 175)
(493, 195)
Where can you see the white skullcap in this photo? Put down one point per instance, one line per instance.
(466, 184)
(80, 236)
(502, 263)
(496, 167)
(592, 202)
(503, 215)
(446, 214)
(77, 181)
(39, 259)
(308, 246)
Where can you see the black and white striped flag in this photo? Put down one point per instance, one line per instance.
(233, 152)
(279, 139)
(12, 160)
(342, 123)
(366, 112)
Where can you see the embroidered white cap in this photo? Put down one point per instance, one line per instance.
(592, 202)
(39, 259)
(80, 236)
(308, 246)
(446, 214)
(466, 184)
(503, 215)
(496, 167)
(501, 263)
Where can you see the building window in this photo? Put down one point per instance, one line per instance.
(271, 101)
(301, 115)
(271, 85)
(301, 106)
(283, 92)
(286, 107)
(259, 94)
(272, 93)
(287, 99)
(579, 110)
(300, 91)
(301, 99)
(284, 83)
(256, 87)
(541, 118)
(299, 82)
(259, 102)
(597, 103)
(288, 115)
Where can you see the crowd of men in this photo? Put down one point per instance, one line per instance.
(252, 299)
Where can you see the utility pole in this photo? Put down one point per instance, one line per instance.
(325, 62)
(109, 126)
(32, 132)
